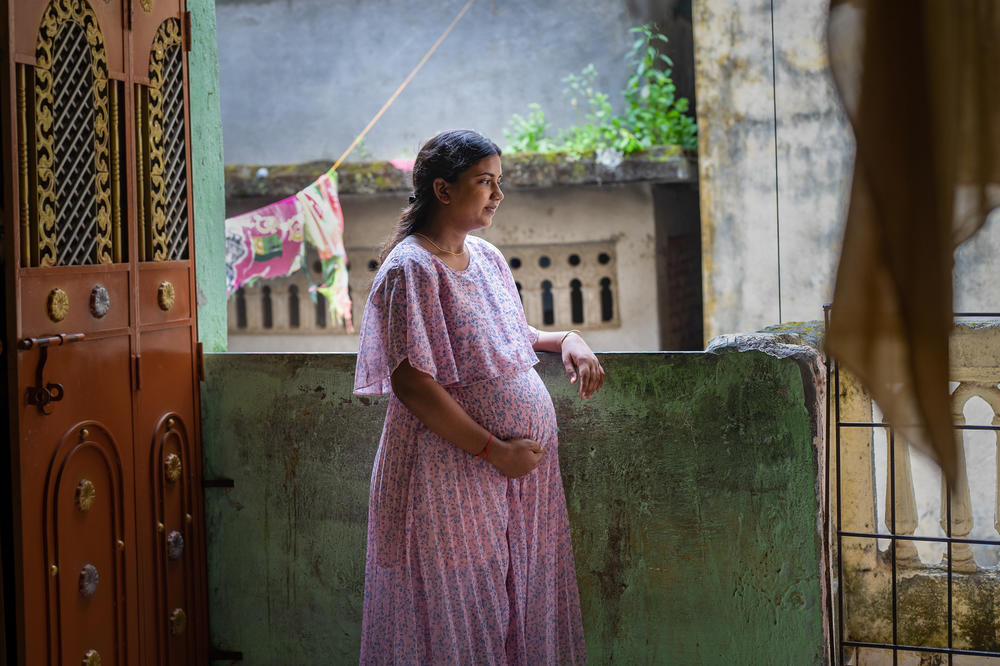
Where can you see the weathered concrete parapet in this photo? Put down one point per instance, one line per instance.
(922, 578)
(563, 224)
(791, 339)
(692, 484)
(666, 164)
(765, 341)
(799, 341)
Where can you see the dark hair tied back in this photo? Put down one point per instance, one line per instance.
(446, 156)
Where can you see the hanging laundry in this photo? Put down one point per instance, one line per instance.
(264, 243)
(333, 287)
(268, 243)
(324, 228)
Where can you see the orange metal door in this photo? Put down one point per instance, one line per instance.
(101, 339)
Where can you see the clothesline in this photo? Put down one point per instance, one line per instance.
(268, 242)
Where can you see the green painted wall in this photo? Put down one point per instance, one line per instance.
(208, 187)
(691, 481)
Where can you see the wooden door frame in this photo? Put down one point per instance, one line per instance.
(12, 587)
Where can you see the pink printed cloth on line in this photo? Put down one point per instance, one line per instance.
(267, 243)
(464, 566)
(264, 243)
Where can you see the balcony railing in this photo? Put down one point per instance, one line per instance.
(932, 594)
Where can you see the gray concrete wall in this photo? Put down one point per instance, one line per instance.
(748, 211)
(301, 78)
(737, 93)
(976, 286)
(692, 483)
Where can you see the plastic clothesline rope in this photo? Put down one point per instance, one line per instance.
(403, 85)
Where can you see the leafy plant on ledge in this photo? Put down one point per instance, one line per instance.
(653, 115)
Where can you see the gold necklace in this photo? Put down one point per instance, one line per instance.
(454, 254)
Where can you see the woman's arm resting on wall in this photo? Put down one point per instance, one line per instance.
(437, 410)
(579, 361)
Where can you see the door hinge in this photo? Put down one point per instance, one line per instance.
(187, 31)
(201, 362)
(137, 369)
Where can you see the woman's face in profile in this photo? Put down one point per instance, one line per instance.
(474, 197)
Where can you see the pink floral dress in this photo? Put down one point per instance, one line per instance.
(464, 565)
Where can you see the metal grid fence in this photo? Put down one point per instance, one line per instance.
(839, 642)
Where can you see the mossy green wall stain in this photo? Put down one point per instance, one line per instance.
(690, 481)
(691, 488)
(286, 551)
(207, 181)
(922, 606)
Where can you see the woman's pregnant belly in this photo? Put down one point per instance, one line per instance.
(511, 407)
(421, 479)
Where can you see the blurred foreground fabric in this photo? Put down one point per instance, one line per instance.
(920, 82)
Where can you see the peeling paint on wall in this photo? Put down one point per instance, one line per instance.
(741, 96)
(207, 186)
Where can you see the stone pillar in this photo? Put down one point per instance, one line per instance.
(738, 91)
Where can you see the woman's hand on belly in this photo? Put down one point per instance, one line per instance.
(437, 409)
(515, 457)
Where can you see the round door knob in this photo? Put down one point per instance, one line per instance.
(89, 579)
(121, 545)
(178, 621)
(100, 301)
(86, 495)
(173, 466)
(175, 545)
(53, 570)
(57, 305)
(160, 527)
(165, 296)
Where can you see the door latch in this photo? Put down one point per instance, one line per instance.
(42, 394)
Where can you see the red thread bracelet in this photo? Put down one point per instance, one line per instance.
(485, 453)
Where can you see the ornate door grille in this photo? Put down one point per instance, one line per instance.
(162, 150)
(66, 175)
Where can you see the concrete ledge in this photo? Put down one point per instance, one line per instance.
(659, 164)
(691, 479)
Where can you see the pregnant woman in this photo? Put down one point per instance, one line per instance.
(469, 555)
